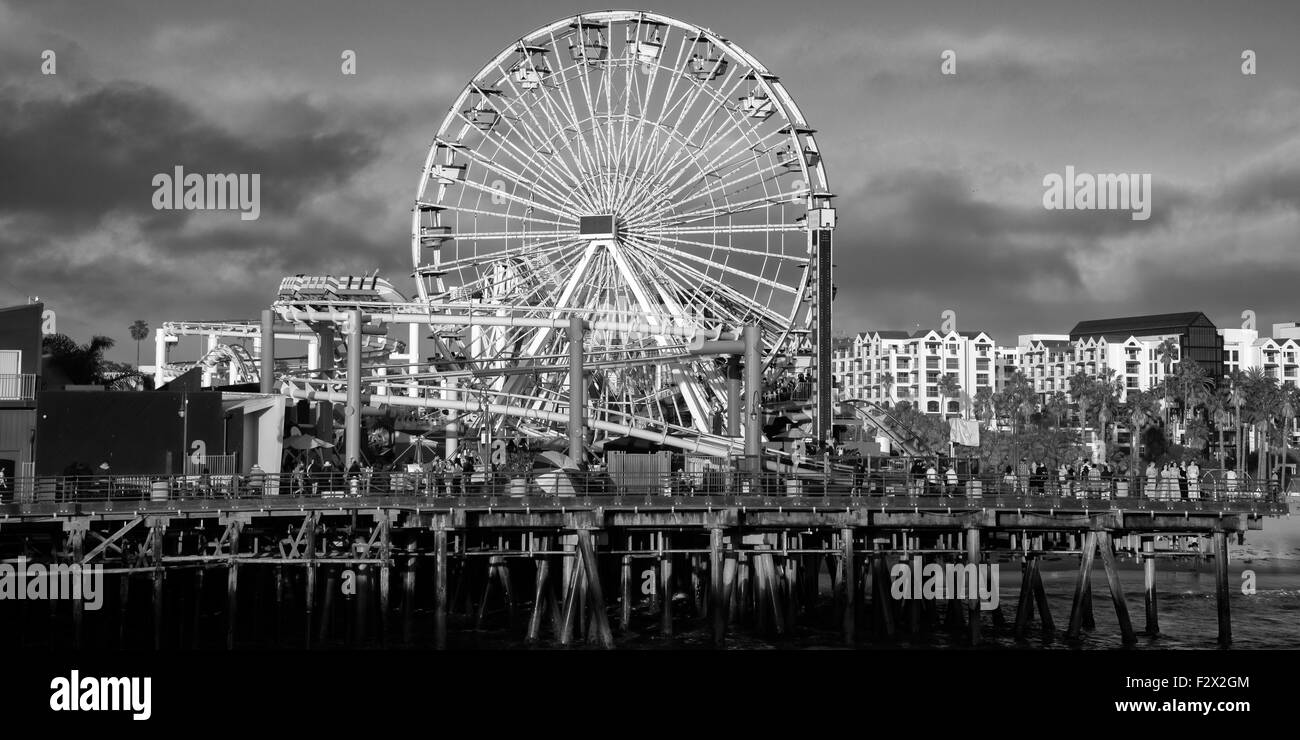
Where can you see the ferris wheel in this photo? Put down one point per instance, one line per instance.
(625, 167)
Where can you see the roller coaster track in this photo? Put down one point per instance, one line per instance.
(889, 426)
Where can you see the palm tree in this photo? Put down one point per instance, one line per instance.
(1220, 411)
(1081, 388)
(886, 383)
(1057, 405)
(1167, 353)
(1237, 397)
(984, 407)
(1139, 416)
(139, 332)
(1261, 400)
(1107, 391)
(949, 387)
(1289, 404)
(83, 364)
(1193, 386)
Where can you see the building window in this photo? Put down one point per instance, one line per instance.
(11, 379)
(932, 407)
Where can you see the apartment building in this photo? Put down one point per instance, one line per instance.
(891, 366)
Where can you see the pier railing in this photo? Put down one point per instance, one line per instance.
(902, 485)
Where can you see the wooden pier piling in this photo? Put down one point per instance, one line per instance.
(665, 586)
(849, 624)
(1149, 581)
(1107, 548)
(1081, 587)
(600, 619)
(1221, 587)
(232, 585)
(973, 619)
(440, 589)
(717, 597)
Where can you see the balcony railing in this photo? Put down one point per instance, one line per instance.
(17, 387)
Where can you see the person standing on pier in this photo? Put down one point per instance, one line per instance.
(312, 472)
(1193, 480)
(299, 478)
(1150, 480)
(918, 476)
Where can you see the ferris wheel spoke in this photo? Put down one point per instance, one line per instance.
(646, 223)
(718, 95)
(555, 174)
(536, 205)
(726, 162)
(674, 234)
(695, 300)
(587, 159)
(728, 209)
(674, 77)
(671, 254)
(504, 145)
(497, 214)
(662, 175)
(562, 176)
(687, 275)
(598, 145)
(530, 251)
(718, 166)
(755, 179)
(584, 158)
(508, 147)
(670, 171)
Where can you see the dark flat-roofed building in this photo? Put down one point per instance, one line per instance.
(1198, 338)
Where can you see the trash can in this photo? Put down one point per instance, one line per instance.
(159, 490)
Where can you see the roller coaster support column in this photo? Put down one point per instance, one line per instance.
(353, 411)
(750, 345)
(325, 364)
(754, 392)
(733, 396)
(209, 372)
(266, 362)
(577, 389)
(159, 356)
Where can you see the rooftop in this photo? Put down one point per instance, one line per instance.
(1164, 323)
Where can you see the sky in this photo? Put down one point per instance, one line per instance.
(939, 177)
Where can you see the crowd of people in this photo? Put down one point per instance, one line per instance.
(1177, 480)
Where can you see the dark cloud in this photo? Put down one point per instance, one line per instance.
(1274, 185)
(78, 158)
